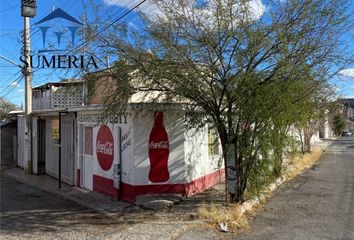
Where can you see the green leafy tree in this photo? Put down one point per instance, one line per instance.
(339, 124)
(313, 114)
(5, 108)
(248, 70)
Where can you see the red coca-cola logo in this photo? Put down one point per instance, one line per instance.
(158, 148)
(158, 145)
(105, 147)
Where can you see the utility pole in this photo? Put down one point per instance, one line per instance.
(28, 9)
(27, 71)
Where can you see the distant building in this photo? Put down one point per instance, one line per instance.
(347, 111)
(8, 143)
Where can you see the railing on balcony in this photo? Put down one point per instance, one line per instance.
(57, 97)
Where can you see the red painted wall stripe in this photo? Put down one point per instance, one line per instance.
(104, 185)
(129, 192)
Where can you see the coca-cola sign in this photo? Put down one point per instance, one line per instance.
(158, 145)
(105, 147)
(159, 151)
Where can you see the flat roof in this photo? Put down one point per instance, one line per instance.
(57, 84)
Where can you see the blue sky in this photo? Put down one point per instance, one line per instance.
(11, 23)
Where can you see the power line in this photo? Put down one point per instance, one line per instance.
(18, 80)
(10, 8)
(111, 24)
(10, 61)
(97, 33)
(102, 30)
(12, 85)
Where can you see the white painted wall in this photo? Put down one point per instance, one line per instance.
(188, 148)
(315, 138)
(198, 161)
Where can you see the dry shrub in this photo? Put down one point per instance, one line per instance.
(231, 215)
(300, 163)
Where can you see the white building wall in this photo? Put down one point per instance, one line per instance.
(315, 138)
(198, 161)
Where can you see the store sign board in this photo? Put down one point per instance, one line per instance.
(98, 117)
(105, 147)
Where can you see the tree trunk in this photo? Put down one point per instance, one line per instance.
(307, 141)
(278, 161)
(226, 189)
(223, 141)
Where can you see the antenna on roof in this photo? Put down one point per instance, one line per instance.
(53, 8)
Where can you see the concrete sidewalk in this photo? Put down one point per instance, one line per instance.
(92, 200)
(62, 214)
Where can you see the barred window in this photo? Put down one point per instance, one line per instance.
(213, 142)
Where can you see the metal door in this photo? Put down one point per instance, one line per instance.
(67, 148)
(41, 146)
(87, 157)
(51, 147)
(21, 121)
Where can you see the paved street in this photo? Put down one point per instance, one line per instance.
(319, 204)
(29, 213)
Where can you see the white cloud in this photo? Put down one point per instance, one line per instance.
(151, 7)
(347, 72)
(257, 8)
(14, 84)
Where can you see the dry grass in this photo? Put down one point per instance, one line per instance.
(232, 216)
(300, 163)
(216, 214)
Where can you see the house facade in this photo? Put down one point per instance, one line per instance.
(8, 151)
(141, 150)
(347, 112)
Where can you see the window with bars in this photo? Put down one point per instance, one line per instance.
(213, 142)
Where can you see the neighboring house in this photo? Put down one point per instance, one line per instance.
(8, 143)
(347, 112)
(326, 127)
(63, 94)
(144, 149)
